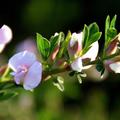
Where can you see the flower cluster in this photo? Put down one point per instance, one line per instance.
(73, 53)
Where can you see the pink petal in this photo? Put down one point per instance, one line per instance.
(33, 77)
(22, 58)
(92, 52)
(115, 67)
(77, 65)
(5, 34)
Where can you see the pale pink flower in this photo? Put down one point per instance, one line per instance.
(27, 70)
(76, 43)
(5, 36)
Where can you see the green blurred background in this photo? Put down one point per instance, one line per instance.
(92, 100)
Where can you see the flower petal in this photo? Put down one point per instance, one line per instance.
(115, 67)
(33, 77)
(77, 65)
(2, 46)
(76, 37)
(22, 58)
(92, 52)
(5, 34)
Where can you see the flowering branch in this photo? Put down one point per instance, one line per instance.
(73, 54)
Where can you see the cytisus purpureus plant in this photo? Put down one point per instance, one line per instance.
(73, 54)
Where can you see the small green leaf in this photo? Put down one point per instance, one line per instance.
(111, 33)
(93, 28)
(91, 35)
(94, 33)
(85, 35)
(43, 46)
(58, 82)
(86, 49)
(113, 21)
(79, 78)
(59, 86)
(5, 95)
(60, 79)
(61, 37)
(53, 42)
(5, 85)
(107, 25)
(95, 37)
(64, 45)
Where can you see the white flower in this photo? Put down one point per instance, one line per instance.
(90, 54)
(77, 65)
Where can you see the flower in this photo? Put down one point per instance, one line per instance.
(5, 36)
(27, 69)
(77, 65)
(115, 67)
(75, 44)
(74, 49)
(114, 63)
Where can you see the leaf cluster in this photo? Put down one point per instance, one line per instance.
(91, 34)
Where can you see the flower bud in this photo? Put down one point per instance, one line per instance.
(75, 45)
(54, 53)
(112, 47)
(5, 36)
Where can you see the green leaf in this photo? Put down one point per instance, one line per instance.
(110, 30)
(8, 85)
(56, 41)
(61, 37)
(58, 82)
(60, 79)
(85, 35)
(64, 45)
(113, 21)
(91, 35)
(53, 42)
(5, 95)
(43, 46)
(111, 33)
(107, 25)
(86, 49)
(95, 37)
(94, 33)
(93, 28)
